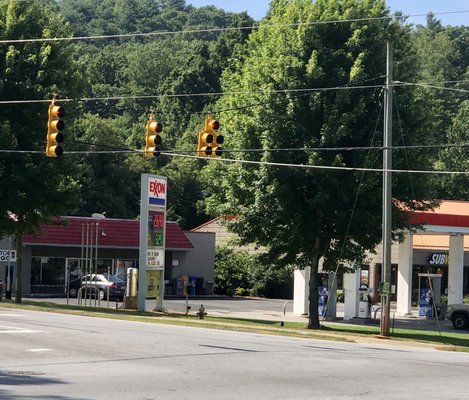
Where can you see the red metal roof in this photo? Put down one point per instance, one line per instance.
(123, 233)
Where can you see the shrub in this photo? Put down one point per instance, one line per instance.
(231, 271)
(239, 273)
(340, 296)
(273, 282)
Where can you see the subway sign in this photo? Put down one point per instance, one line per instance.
(438, 259)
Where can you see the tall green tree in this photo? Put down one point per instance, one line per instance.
(303, 215)
(443, 65)
(35, 189)
(456, 157)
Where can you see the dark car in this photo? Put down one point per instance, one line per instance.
(458, 314)
(97, 285)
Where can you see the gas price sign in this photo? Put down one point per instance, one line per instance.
(152, 239)
(155, 239)
(156, 221)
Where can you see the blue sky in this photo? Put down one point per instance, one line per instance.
(258, 8)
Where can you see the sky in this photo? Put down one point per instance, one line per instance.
(258, 8)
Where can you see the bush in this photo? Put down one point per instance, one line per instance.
(273, 282)
(239, 273)
(231, 272)
(340, 296)
(242, 292)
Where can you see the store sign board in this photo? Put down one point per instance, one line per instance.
(152, 235)
(438, 259)
(8, 255)
(157, 191)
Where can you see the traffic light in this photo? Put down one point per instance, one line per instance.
(55, 126)
(153, 139)
(210, 141)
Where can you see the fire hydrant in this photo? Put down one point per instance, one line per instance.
(201, 312)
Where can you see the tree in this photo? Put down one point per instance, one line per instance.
(443, 61)
(456, 157)
(35, 188)
(303, 215)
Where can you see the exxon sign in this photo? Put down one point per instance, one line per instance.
(157, 192)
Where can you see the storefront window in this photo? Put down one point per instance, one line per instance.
(121, 266)
(47, 275)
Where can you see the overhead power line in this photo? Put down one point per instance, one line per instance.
(215, 30)
(320, 167)
(258, 163)
(300, 91)
(119, 150)
(162, 96)
(430, 86)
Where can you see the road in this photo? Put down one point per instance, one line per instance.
(65, 357)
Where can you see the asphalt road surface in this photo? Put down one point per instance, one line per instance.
(65, 357)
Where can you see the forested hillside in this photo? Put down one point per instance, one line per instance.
(177, 66)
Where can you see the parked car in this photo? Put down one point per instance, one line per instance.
(458, 314)
(97, 286)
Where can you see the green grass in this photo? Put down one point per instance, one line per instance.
(453, 341)
(457, 339)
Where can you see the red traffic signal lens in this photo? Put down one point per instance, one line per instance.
(155, 127)
(215, 125)
(60, 112)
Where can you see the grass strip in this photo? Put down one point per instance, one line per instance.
(448, 341)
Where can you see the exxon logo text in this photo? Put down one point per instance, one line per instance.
(158, 189)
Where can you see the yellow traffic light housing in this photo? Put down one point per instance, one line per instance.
(153, 138)
(55, 126)
(209, 140)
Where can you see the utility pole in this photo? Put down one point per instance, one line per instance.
(387, 205)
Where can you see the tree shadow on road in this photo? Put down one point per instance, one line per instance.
(28, 378)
